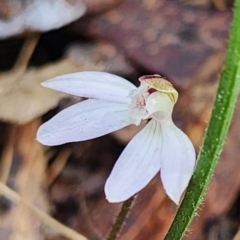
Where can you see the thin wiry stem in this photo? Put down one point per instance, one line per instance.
(120, 219)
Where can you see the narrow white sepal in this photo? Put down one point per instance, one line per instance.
(177, 160)
(85, 120)
(137, 165)
(93, 84)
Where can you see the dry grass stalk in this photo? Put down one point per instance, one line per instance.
(45, 218)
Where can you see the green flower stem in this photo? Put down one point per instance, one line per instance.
(120, 219)
(222, 113)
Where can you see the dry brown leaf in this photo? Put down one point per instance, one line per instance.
(29, 182)
(23, 98)
(26, 99)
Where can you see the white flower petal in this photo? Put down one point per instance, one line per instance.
(85, 120)
(160, 105)
(92, 84)
(178, 160)
(137, 165)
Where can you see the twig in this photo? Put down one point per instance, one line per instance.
(45, 218)
(120, 219)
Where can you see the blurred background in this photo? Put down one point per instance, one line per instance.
(40, 39)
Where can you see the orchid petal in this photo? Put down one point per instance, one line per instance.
(160, 105)
(85, 120)
(93, 84)
(137, 165)
(177, 159)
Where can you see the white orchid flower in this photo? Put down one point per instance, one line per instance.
(113, 104)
